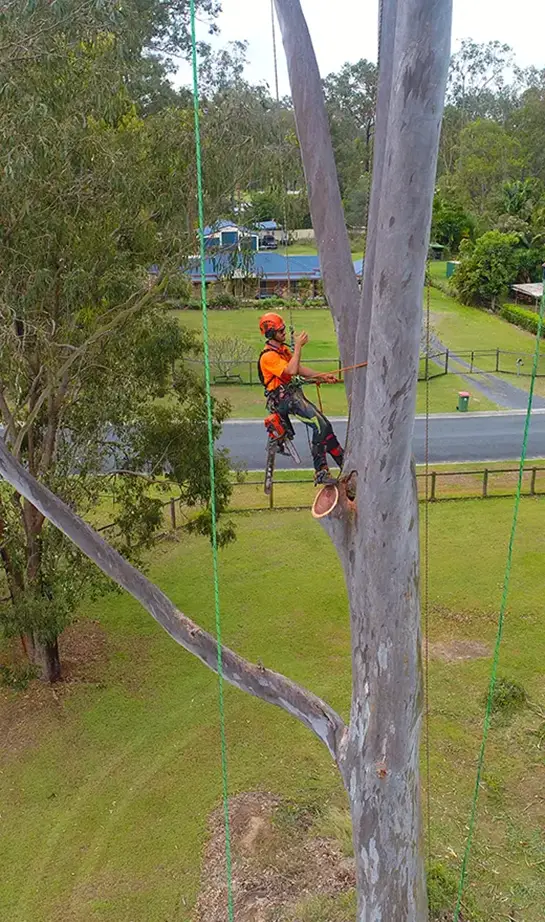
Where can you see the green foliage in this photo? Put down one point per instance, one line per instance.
(486, 268)
(356, 202)
(508, 698)
(17, 677)
(488, 157)
(451, 222)
(223, 300)
(92, 195)
(526, 319)
(351, 101)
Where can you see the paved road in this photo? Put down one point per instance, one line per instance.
(453, 437)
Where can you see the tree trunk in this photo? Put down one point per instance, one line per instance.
(379, 546)
(46, 656)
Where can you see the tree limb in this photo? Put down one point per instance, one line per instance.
(340, 282)
(8, 416)
(388, 13)
(65, 367)
(258, 681)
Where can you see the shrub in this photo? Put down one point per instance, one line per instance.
(508, 697)
(527, 320)
(486, 268)
(224, 300)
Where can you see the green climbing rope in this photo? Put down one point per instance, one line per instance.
(501, 618)
(198, 152)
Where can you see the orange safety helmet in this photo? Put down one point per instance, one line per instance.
(270, 324)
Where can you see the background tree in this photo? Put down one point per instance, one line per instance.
(486, 268)
(91, 196)
(351, 97)
(488, 158)
(451, 223)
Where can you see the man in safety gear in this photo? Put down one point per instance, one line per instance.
(278, 370)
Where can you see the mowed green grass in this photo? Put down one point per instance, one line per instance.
(248, 402)
(463, 328)
(106, 784)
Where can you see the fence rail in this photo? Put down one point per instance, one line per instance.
(433, 365)
(484, 483)
(245, 373)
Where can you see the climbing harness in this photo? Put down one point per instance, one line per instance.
(213, 512)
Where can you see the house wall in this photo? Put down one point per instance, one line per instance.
(302, 234)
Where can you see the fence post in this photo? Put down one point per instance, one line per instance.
(533, 482)
(497, 359)
(472, 360)
(446, 361)
(173, 514)
(433, 484)
(271, 495)
(427, 367)
(485, 483)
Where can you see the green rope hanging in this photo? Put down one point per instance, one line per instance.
(501, 619)
(213, 512)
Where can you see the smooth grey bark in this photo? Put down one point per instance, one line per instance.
(340, 282)
(258, 681)
(378, 543)
(388, 10)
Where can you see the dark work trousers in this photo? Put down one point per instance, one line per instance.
(291, 401)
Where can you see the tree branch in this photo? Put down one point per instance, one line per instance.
(258, 681)
(65, 367)
(8, 416)
(340, 282)
(388, 12)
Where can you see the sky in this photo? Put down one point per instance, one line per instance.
(346, 30)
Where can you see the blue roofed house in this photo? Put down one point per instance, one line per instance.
(262, 274)
(224, 234)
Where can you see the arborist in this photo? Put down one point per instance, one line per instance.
(280, 372)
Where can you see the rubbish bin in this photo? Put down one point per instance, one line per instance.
(451, 267)
(463, 401)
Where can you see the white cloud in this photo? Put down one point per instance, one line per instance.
(347, 30)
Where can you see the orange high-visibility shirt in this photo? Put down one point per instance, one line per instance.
(273, 362)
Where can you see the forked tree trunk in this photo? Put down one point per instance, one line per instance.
(379, 547)
(377, 540)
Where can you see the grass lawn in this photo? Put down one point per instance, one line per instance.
(464, 328)
(300, 248)
(247, 402)
(107, 782)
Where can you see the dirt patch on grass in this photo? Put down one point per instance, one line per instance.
(84, 651)
(27, 717)
(274, 866)
(458, 651)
